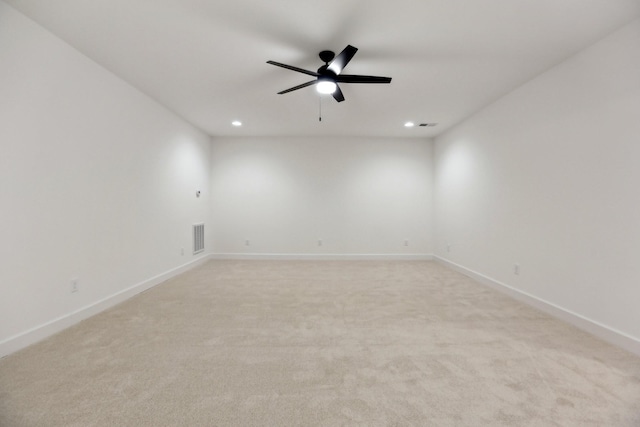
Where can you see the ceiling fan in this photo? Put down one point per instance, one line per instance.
(329, 75)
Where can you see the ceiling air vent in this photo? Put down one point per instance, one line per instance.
(428, 124)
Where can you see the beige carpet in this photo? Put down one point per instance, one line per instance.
(270, 343)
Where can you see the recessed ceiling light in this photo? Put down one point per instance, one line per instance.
(236, 123)
(409, 124)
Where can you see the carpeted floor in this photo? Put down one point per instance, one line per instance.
(324, 343)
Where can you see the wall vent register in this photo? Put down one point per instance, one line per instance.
(198, 238)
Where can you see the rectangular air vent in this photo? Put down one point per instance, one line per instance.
(428, 124)
(198, 238)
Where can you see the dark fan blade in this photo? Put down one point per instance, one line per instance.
(312, 82)
(337, 95)
(350, 78)
(341, 61)
(291, 67)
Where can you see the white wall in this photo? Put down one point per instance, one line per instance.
(97, 181)
(548, 177)
(360, 196)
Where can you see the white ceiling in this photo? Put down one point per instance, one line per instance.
(206, 59)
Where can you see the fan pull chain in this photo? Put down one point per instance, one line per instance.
(320, 108)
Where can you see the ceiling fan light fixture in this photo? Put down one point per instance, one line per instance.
(330, 74)
(326, 86)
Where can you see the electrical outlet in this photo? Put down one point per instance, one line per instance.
(182, 251)
(406, 242)
(74, 285)
(246, 242)
(448, 247)
(319, 242)
(516, 269)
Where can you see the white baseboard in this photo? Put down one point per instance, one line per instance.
(322, 257)
(606, 333)
(38, 333)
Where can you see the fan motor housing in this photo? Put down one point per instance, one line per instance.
(325, 71)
